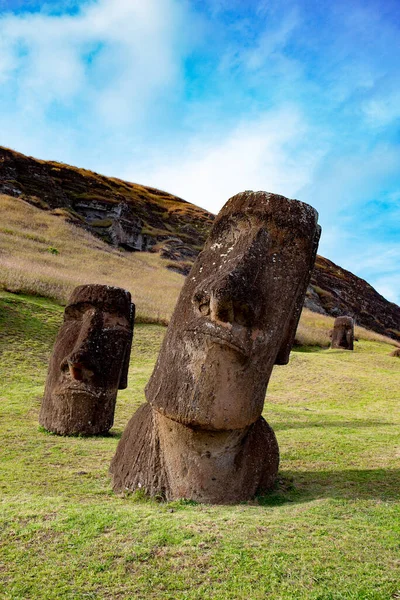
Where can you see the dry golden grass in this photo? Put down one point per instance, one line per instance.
(42, 254)
(313, 330)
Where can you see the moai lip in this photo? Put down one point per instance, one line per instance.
(343, 333)
(202, 436)
(90, 361)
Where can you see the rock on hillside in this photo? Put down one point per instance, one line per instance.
(141, 218)
(133, 216)
(334, 291)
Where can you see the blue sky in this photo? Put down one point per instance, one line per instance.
(206, 98)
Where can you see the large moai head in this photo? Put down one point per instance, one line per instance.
(89, 362)
(201, 434)
(237, 314)
(343, 333)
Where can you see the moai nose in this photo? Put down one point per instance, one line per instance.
(227, 301)
(79, 371)
(82, 359)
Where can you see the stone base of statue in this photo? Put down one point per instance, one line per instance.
(172, 461)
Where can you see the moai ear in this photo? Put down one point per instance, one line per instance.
(123, 380)
(282, 358)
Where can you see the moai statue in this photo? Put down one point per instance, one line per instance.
(343, 333)
(201, 434)
(395, 352)
(90, 361)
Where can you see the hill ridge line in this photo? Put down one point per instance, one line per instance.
(141, 218)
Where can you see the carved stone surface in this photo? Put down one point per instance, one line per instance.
(343, 333)
(201, 435)
(90, 361)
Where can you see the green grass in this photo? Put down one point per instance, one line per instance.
(330, 531)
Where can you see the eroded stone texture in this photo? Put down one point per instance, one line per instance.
(343, 333)
(202, 436)
(90, 361)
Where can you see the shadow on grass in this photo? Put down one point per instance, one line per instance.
(114, 433)
(356, 424)
(351, 484)
(309, 348)
(89, 436)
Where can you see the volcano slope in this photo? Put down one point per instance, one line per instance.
(139, 219)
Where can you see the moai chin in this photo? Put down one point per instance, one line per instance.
(201, 434)
(343, 333)
(90, 361)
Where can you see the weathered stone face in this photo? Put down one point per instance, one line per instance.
(343, 333)
(201, 434)
(90, 361)
(237, 313)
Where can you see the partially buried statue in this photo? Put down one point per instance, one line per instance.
(201, 435)
(343, 333)
(89, 362)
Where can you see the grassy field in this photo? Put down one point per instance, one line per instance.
(330, 531)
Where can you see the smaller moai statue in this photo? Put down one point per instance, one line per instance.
(343, 333)
(395, 352)
(90, 361)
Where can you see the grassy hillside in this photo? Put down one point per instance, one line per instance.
(42, 253)
(141, 218)
(330, 531)
(51, 185)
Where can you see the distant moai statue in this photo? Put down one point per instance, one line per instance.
(201, 434)
(343, 333)
(90, 361)
(395, 352)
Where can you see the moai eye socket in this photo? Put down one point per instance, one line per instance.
(243, 314)
(76, 312)
(224, 310)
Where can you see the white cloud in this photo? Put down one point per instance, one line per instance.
(271, 42)
(351, 179)
(388, 287)
(269, 152)
(114, 55)
(104, 88)
(382, 109)
(356, 247)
